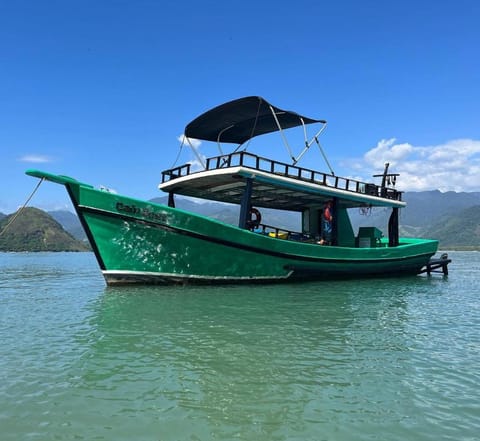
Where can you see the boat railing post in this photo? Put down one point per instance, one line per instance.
(334, 240)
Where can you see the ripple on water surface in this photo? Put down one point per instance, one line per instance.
(383, 359)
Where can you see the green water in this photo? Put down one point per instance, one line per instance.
(388, 359)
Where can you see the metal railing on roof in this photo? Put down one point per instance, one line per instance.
(255, 162)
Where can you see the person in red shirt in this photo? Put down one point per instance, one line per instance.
(327, 224)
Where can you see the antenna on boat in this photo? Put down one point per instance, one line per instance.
(387, 178)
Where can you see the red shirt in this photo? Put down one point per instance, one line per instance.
(327, 214)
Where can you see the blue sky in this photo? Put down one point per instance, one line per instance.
(101, 90)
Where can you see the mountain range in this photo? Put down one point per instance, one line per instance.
(452, 218)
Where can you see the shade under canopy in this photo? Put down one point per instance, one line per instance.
(242, 119)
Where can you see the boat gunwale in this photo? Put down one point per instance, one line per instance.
(408, 243)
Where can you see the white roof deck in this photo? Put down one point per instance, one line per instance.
(275, 185)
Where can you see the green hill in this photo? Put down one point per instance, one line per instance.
(35, 230)
(460, 229)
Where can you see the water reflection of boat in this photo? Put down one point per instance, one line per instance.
(141, 242)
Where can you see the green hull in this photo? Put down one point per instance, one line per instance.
(140, 242)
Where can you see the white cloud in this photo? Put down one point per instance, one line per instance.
(196, 163)
(195, 143)
(452, 166)
(36, 159)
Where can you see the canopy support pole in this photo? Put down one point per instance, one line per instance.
(308, 143)
(245, 204)
(324, 156)
(282, 134)
(393, 235)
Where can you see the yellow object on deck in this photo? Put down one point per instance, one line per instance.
(280, 235)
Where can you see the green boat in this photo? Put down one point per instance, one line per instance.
(138, 241)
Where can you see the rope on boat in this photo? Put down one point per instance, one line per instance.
(12, 220)
(179, 152)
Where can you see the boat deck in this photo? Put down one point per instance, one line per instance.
(276, 184)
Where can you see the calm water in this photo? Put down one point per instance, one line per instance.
(359, 360)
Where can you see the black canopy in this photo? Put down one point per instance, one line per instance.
(239, 120)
